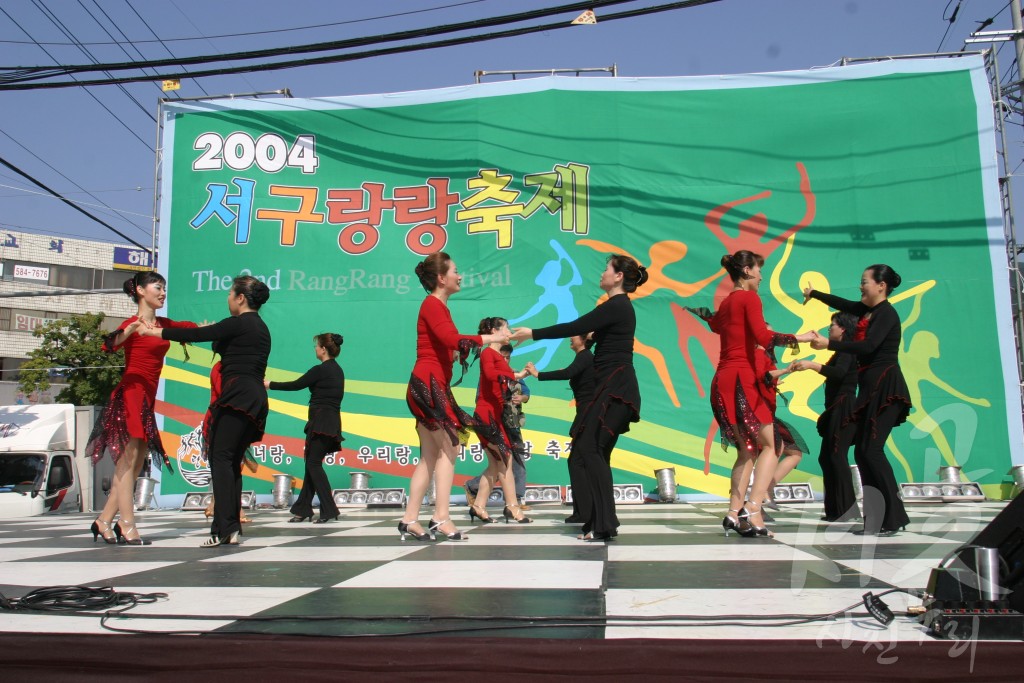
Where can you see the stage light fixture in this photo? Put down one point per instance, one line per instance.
(357, 498)
(194, 501)
(248, 500)
(567, 498)
(628, 494)
(537, 493)
(941, 492)
(793, 493)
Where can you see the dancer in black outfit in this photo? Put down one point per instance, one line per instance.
(834, 424)
(240, 412)
(883, 399)
(580, 374)
(326, 384)
(616, 401)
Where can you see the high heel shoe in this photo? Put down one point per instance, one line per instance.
(756, 530)
(214, 541)
(435, 528)
(404, 529)
(324, 520)
(97, 533)
(123, 535)
(734, 523)
(508, 514)
(296, 519)
(474, 511)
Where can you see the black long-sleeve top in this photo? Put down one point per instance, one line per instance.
(326, 384)
(580, 374)
(243, 342)
(840, 377)
(614, 326)
(881, 342)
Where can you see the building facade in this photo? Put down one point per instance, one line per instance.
(32, 265)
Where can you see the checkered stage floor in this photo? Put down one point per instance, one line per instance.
(354, 576)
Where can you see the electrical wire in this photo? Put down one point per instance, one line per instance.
(268, 31)
(493, 623)
(59, 196)
(92, 95)
(686, 4)
(19, 73)
(76, 599)
(162, 43)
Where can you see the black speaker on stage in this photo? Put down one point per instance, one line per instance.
(978, 590)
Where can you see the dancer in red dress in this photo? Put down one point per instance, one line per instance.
(492, 396)
(127, 426)
(439, 420)
(738, 404)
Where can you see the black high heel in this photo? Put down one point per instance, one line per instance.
(324, 520)
(755, 531)
(521, 519)
(435, 528)
(296, 519)
(123, 535)
(473, 513)
(404, 529)
(96, 533)
(735, 523)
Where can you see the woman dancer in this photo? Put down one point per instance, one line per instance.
(240, 412)
(439, 419)
(616, 401)
(326, 384)
(493, 393)
(792, 447)
(834, 424)
(127, 426)
(738, 404)
(883, 398)
(580, 374)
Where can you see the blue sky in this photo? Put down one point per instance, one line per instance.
(101, 140)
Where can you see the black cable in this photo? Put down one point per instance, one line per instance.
(93, 96)
(162, 43)
(261, 33)
(76, 599)
(70, 203)
(363, 55)
(322, 46)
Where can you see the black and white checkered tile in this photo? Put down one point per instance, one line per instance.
(356, 576)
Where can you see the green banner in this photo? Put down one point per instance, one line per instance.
(529, 185)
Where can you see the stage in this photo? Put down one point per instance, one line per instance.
(670, 597)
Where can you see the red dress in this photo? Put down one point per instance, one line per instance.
(736, 398)
(129, 414)
(491, 397)
(429, 394)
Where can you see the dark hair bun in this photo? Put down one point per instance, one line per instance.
(260, 293)
(419, 269)
(129, 289)
(337, 339)
(643, 276)
(726, 261)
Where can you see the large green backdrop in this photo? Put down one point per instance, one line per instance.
(529, 185)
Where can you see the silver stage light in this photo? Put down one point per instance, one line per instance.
(358, 498)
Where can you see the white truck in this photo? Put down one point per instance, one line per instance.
(42, 460)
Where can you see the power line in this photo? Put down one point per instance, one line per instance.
(70, 203)
(96, 99)
(146, 24)
(331, 59)
(262, 33)
(22, 73)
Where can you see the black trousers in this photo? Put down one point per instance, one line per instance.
(883, 508)
(315, 480)
(593, 446)
(230, 434)
(834, 459)
(582, 501)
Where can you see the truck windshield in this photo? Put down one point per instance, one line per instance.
(21, 471)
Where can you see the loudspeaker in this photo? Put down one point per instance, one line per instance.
(979, 587)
